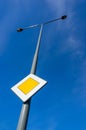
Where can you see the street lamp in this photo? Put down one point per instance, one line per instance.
(36, 25)
(22, 124)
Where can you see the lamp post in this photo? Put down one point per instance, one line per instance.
(22, 123)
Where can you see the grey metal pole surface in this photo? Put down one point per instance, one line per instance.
(22, 124)
(35, 59)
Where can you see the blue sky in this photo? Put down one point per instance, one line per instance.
(61, 104)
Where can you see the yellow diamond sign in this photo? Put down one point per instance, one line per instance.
(28, 87)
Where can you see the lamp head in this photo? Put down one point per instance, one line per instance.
(19, 29)
(64, 17)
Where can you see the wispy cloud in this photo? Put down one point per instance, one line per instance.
(72, 44)
(61, 6)
(9, 19)
(79, 91)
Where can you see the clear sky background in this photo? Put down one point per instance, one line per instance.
(61, 104)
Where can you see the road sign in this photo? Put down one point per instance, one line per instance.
(28, 87)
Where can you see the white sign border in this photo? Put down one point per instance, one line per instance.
(25, 97)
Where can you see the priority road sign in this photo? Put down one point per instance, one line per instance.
(28, 87)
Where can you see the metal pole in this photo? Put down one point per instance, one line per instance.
(22, 124)
(35, 59)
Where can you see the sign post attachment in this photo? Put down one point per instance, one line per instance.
(27, 87)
